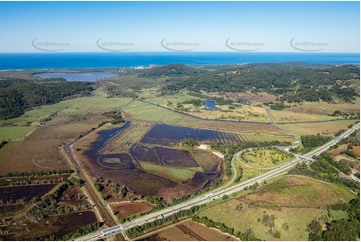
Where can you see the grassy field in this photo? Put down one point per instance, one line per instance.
(261, 137)
(15, 132)
(171, 173)
(244, 113)
(264, 158)
(292, 200)
(324, 108)
(290, 116)
(325, 128)
(138, 110)
(142, 111)
(248, 172)
(98, 103)
(163, 100)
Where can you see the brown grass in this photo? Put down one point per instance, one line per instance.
(189, 231)
(325, 128)
(125, 210)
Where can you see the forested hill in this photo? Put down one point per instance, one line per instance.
(18, 95)
(292, 83)
(171, 70)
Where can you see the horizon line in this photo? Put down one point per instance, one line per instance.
(188, 52)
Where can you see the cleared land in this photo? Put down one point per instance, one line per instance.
(144, 111)
(289, 116)
(292, 200)
(40, 150)
(188, 231)
(240, 112)
(324, 108)
(325, 128)
(97, 103)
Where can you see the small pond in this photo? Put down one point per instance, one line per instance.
(210, 104)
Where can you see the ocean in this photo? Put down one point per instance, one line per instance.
(26, 61)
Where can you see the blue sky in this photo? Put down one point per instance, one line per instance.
(200, 26)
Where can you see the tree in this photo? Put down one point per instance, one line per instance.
(314, 229)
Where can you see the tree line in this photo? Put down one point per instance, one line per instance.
(246, 236)
(17, 96)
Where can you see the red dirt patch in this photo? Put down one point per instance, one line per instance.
(356, 150)
(339, 149)
(189, 231)
(125, 210)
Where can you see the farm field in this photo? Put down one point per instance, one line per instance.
(139, 110)
(261, 137)
(290, 116)
(15, 132)
(258, 97)
(294, 201)
(188, 231)
(24, 192)
(164, 100)
(241, 112)
(324, 108)
(96, 104)
(40, 150)
(325, 128)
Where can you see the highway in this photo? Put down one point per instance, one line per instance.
(220, 192)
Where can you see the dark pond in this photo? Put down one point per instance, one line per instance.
(168, 135)
(163, 156)
(104, 137)
(78, 76)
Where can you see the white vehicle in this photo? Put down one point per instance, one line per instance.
(209, 195)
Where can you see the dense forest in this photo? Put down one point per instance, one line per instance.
(292, 83)
(171, 70)
(18, 95)
(339, 230)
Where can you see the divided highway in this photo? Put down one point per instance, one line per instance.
(218, 193)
